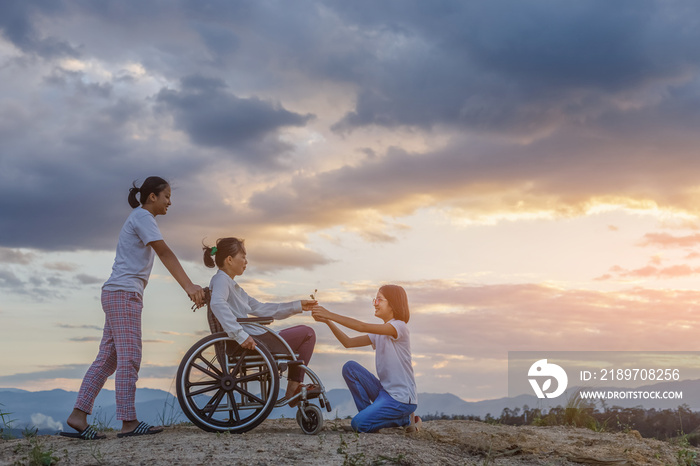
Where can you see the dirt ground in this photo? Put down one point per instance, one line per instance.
(281, 442)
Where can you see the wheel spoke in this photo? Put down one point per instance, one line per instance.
(248, 394)
(237, 367)
(234, 411)
(205, 371)
(208, 388)
(213, 404)
(211, 365)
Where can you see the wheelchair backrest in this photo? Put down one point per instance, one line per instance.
(215, 325)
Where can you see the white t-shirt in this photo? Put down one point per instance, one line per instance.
(134, 259)
(229, 302)
(393, 361)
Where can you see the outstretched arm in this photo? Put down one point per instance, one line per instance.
(346, 341)
(170, 261)
(321, 313)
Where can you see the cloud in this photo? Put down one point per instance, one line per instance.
(42, 421)
(85, 279)
(14, 256)
(61, 266)
(91, 327)
(76, 371)
(67, 371)
(552, 108)
(527, 317)
(651, 271)
(9, 280)
(85, 339)
(214, 117)
(541, 65)
(17, 25)
(670, 241)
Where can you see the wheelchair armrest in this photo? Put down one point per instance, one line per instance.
(256, 320)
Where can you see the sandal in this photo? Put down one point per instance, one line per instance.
(89, 433)
(311, 389)
(415, 425)
(142, 429)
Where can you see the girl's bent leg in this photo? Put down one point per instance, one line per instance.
(125, 320)
(104, 365)
(302, 340)
(363, 385)
(384, 412)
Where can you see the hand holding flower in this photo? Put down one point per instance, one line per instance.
(307, 305)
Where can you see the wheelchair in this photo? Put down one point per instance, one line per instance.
(222, 387)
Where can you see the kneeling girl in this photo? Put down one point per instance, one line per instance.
(389, 400)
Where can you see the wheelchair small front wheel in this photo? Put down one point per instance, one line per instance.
(313, 423)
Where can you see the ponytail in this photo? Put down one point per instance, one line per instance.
(224, 247)
(208, 259)
(152, 184)
(133, 202)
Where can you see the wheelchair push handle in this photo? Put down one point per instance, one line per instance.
(207, 299)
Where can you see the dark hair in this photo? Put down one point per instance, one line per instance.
(152, 184)
(224, 247)
(398, 300)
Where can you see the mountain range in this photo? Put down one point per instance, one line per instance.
(47, 410)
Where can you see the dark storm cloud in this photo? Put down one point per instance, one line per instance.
(511, 66)
(17, 19)
(582, 80)
(66, 170)
(214, 117)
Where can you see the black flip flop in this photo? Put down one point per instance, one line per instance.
(88, 434)
(142, 429)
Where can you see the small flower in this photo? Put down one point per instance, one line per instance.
(313, 295)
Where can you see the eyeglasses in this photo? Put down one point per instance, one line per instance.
(376, 301)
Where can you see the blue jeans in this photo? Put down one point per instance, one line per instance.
(377, 409)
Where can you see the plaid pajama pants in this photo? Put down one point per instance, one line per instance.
(120, 351)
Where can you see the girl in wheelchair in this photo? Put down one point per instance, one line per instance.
(390, 400)
(230, 302)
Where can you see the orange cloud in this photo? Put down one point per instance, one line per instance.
(670, 241)
(651, 271)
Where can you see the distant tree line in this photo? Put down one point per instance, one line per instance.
(662, 424)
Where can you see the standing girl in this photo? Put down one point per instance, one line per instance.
(230, 302)
(122, 300)
(390, 400)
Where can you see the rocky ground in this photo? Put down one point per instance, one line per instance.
(281, 442)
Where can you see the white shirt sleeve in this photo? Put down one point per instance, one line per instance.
(400, 327)
(146, 228)
(277, 311)
(224, 312)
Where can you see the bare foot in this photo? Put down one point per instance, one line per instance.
(78, 420)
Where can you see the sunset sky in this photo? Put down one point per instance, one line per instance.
(528, 170)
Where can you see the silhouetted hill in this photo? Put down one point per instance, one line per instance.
(47, 410)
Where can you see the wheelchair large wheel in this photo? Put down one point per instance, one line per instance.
(222, 387)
